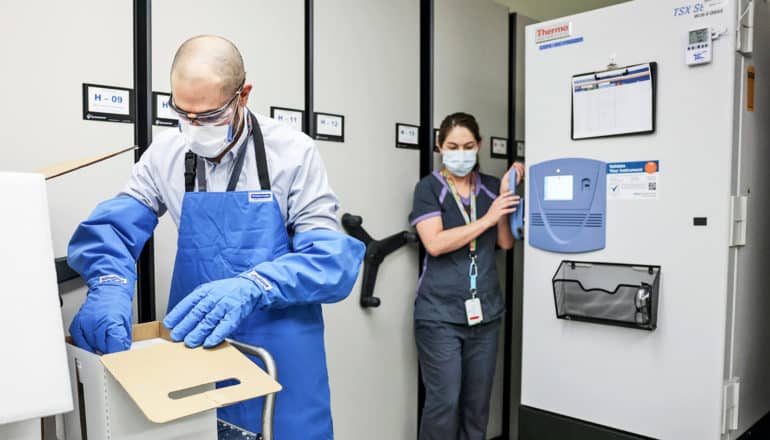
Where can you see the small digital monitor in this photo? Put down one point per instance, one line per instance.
(558, 187)
(699, 36)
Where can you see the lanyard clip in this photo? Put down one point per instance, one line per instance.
(473, 274)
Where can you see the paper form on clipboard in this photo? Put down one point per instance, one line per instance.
(614, 102)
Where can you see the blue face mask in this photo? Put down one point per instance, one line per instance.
(459, 162)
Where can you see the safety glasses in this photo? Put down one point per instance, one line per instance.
(217, 116)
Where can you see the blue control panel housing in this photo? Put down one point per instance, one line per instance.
(568, 205)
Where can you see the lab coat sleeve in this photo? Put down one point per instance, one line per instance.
(105, 247)
(142, 185)
(311, 202)
(322, 268)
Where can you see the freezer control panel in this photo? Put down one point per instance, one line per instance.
(698, 47)
(567, 205)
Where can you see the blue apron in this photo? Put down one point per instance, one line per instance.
(223, 234)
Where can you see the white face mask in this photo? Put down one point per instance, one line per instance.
(459, 162)
(207, 140)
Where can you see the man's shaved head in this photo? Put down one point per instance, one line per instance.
(209, 59)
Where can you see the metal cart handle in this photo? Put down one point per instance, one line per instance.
(268, 409)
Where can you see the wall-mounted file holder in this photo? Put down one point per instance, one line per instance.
(607, 293)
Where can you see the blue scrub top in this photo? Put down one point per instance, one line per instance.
(445, 286)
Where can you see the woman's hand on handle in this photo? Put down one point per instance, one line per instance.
(506, 203)
(505, 181)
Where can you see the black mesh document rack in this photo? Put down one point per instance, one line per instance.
(625, 295)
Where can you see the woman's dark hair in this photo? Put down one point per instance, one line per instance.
(458, 120)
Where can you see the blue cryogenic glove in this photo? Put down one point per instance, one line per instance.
(103, 250)
(103, 323)
(212, 311)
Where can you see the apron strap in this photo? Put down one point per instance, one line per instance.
(201, 170)
(190, 159)
(237, 168)
(196, 168)
(260, 155)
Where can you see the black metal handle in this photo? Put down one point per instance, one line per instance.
(64, 273)
(376, 251)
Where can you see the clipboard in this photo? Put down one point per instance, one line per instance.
(619, 101)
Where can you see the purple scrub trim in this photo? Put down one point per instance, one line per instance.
(440, 178)
(442, 196)
(466, 200)
(489, 193)
(445, 188)
(426, 216)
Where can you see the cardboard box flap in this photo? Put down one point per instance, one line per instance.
(152, 375)
(68, 167)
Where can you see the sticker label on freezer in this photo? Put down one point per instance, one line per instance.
(700, 9)
(633, 180)
(561, 43)
(553, 32)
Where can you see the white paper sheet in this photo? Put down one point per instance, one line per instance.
(613, 103)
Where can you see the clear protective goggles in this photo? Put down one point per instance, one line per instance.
(219, 116)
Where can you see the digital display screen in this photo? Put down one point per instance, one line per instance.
(558, 187)
(699, 36)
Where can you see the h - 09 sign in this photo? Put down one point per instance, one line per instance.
(106, 103)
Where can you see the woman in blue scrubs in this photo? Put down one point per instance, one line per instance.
(461, 217)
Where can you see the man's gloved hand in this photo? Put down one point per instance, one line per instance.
(212, 311)
(103, 323)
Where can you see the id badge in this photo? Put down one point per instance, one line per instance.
(473, 311)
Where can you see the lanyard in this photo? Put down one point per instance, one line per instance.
(473, 270)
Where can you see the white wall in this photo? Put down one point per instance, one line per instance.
(548, 9)
(367, 69)
(471, 69)
(471, 75)
(49, 49)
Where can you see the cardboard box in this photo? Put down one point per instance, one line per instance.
(157, 390)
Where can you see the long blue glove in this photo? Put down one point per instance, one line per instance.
(103, 323)
(212, 311)
(322, 269)
(103, 251)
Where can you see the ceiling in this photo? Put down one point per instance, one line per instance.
(548, 9)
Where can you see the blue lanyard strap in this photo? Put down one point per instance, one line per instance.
(473, 274)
